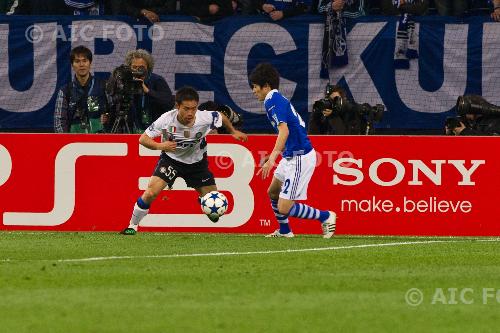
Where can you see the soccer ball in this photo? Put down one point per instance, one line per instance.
(214, 204)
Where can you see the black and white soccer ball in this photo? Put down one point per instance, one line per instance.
(214, 204)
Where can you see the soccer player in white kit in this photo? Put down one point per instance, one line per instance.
(184, 150)
(294, 171)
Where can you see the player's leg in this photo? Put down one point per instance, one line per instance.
(295, 188)
(166, 171)
(141, 207)
(274, 193)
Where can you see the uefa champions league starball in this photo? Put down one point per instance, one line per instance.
(214, 204)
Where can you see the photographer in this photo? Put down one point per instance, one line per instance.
(236, 119)
(475, 117)
(81, 103)
(324, 120)
(138, 95)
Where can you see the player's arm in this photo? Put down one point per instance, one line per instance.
(148, 142)
(238, 135)
(279, 146)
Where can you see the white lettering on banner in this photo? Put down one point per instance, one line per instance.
(45, 72)
(418, 165)
(5, 165)
(400, 172)
(238, 184)
(64, 187)
(355, 73)
(345, 170)
(454, 71)
(169, 63)
(341, 167)
(466, 173)
(491, 62)
(85, 33)
(236, 61)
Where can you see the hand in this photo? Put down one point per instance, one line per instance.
(213, 9)
(145, 88)
(496, 15)
(338, 5)
(240, 136)
(327, 113)
(167, 146)
(151, 16)
(276, 15)
(265, 170)
(104, 118)
(268, 8)
(458, 130)
(235, 5)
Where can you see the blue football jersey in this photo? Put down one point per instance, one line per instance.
(280, 110)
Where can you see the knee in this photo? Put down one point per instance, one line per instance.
(283, 209)
(149, 196)
(273, 195)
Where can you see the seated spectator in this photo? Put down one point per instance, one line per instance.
(149, 9)
(5, 6)
(244, 7)
(496, 10)
(280, 9)
(39, 7)
(207, 11)
(93, 7)
(354, 8)
(413, 7)
(451, 7)
(348, 8)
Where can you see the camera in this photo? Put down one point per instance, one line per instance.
(341, 106)
(125, 81)
(123, 84)
(474, 104)
(235, 118)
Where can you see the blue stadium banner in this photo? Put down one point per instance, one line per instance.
(456, 57)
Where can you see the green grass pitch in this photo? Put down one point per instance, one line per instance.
(164, 282)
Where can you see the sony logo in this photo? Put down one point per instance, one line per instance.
(348, 171)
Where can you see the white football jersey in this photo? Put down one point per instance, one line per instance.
(191, 144)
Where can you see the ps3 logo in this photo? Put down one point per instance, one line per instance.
(65, 189)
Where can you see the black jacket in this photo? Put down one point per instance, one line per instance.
(484, 125)
(346, 124)
(199, 8)
(149, 107)
(160, 7)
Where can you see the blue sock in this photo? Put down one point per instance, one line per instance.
(142, 204)
(307, 212)
(282, 219)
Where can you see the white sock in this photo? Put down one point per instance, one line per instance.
(137, 215)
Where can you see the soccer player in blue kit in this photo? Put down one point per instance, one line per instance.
(294, 171)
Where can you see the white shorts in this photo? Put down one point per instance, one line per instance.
(295, 174)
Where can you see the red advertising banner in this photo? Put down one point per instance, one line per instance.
(377, 185)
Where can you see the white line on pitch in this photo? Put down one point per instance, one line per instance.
(220, 254)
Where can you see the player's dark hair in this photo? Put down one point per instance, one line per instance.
(264, 74)
(186, 93)
(80, 51)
